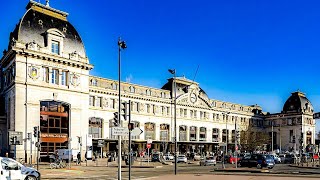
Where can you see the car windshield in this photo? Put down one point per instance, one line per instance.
(181, 156)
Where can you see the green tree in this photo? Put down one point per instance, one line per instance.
(252, 139)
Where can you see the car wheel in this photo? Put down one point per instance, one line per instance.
(259, 166)
(30, 178)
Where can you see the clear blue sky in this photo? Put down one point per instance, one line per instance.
(248, 52)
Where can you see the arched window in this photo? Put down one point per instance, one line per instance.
(95, 127)
(203, 134)
(164, 132)
(193, 133)
(215, 135)
(182, 133)
(149, 130)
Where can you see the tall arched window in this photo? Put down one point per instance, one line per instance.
(149, 130)
(95, 127)
(193, 133)
(203, 134)
(182, 133)
(164, 132)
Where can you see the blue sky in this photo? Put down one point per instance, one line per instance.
(248, 52)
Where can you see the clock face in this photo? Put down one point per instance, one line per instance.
(193, 97)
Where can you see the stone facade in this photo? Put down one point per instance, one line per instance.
(54, 68)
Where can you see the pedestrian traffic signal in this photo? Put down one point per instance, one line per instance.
(130, 126)
(124, 110)
(116, 119)
(13, 140)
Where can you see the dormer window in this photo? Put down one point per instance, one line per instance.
(55, 47)
(54, 41)
(132, 89)
(94, 82)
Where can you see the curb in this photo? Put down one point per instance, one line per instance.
(304, 167)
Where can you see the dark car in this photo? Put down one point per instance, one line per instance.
(290, 158)
(155, 158)
(257, 160)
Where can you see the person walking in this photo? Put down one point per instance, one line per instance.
(79, 158)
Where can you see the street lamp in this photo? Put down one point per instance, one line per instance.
(121, 45)
(173, 71)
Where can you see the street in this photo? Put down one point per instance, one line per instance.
(158, 170)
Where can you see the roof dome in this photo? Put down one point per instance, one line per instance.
(36, 22)
(298, 102)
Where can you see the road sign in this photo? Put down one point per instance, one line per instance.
(149, 141)
(136, 131)
(148, 146)
(119, 131)
(100, 143)
(89, 140)
(18, 137)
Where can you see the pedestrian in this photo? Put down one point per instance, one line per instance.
(79, 158)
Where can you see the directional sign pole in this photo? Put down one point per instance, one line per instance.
(129, 141)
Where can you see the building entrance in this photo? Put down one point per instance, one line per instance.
(54, 127)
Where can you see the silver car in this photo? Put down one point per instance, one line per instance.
(207, 161)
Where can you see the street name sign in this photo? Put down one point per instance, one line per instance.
(119, 131)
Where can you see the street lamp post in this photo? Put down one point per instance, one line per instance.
(236, 139)
(173, 71)
(227, 136)
(121, 45)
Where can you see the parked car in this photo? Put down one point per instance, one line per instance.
(276, 158)
(232, 159)
(207, 161)
(168, 156)
(182, 158)
(11, 169)
(290, 158)
(155, 157)
(257, 160)
(282, 157)
(196, 157)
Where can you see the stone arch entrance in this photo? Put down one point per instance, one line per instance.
(54, 127)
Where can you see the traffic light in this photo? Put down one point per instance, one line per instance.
(35, 131)
(130, 126)
(116, 119)
(124, 110)
(12, 140)
(294, 139)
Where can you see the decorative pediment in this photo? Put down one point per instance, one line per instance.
(186, 99)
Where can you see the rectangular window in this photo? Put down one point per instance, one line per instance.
(55, 49)
(55, 76)
(291, 136)
(91, 100)
(45, 74)
(98, 102)
(64, 78)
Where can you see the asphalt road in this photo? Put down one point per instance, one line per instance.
(193, 170)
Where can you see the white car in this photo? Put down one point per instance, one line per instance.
(168, 157)
(11, 169)
(207, 161)
(182, 158)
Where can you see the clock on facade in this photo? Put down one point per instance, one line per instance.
(193, 97)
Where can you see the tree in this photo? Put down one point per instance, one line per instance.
(253, 140)
(318, 135)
